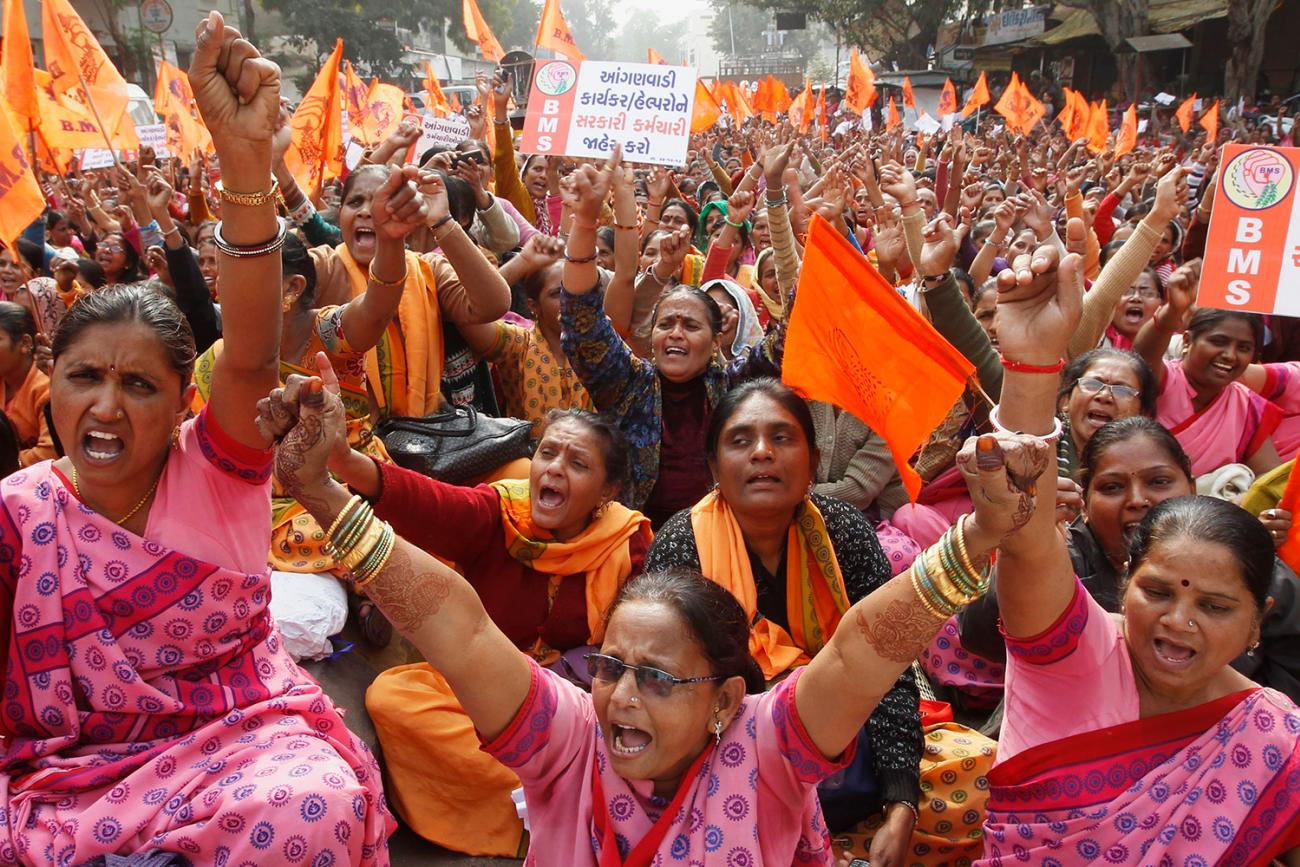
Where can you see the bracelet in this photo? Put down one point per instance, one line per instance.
(916, 814)
(1021, 367)
(250, 251)
(579, 260)
(651, 203)
(251, 200)
(934, 279)
(902, 205)
(635, 227)
(303, 212)
(369, 539)
(505, 122)
(350, 524)
(777, 203)
(352, 503)
(437, 224)
(386, 284)
(1051, 437)
(174, 230)
(377, 558)
(590, 227)
(728, 221)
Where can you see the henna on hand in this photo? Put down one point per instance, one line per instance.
(406, 596)
(900, 632)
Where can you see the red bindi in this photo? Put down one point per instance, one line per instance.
(1187, 583)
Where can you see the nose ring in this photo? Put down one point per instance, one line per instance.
(633, 700)
(121, 414)
(1191, 624)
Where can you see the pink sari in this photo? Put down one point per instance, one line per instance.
(1228, 431)
(148, 702)
(1282, 387)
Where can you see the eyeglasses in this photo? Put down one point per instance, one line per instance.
(609, 669)
(113, 248)
(1144, 293)
(1118, 392)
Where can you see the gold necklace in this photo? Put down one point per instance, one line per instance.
(137, 507)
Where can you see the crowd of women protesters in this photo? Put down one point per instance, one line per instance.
(697, 618)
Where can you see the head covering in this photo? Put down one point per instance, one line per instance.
(701, 232)
(775, 308)
(748, 331)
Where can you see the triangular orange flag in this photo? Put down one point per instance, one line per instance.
(316, 152)
(861, 90)
(356, 101)
(434, 98)
(1066, 115)
(553, 32)
(385, 110)
(1021, 110)
(173, 101)
(21, 199)
(17, 65)
(1210, 122)
(1186, 113)
(476, 28)
(909, 101)
(1080, 116)
(891, 115)
(821, 111)
(1098, 127)
(855, 342)
(652, 56)
(75, 60)
(737, 103)
(947, 99)
(1128, 132)
(706, 110)
(978, 97)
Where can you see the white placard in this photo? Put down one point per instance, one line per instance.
(927, 124)
(446, 132)
(154, 135)
(96, 158)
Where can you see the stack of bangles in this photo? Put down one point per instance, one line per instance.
(360, 541)
(944, 577)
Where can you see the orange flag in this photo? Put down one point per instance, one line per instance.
(821, 110)
(1186, 113)
(385, 111)
(434, 97)
(1289, 551)
(780, 95)
(737, 103)
(855, 342)
(553, 32)
(476, 28)
(1210, 121)
(316, 153)
(75, 59)
(356, 102)
(173, 101)
(1128, 132)
(65, 125)
(763, 98)
(706, 111)
(909, 101)
(947, 99)
(979, 96)
(1079, 117)
(861, 89)
(17, 65)
(1021, 110)
(21, 199)
(1098, 127)
(802, 108)
(652, 56)
(1066, 116)
(891, 115)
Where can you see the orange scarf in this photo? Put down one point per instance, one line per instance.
(815, 594)
(601, 551)
(405, 368)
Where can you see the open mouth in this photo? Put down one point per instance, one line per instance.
(628, 741)
(1099, 418)
(764, 480)
(1173, 653)
(364, 238)
(549, 497)
(675, 352)
(1133, 314)
(1224, 369)
(101, 447)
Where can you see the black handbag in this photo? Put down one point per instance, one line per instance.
(455, 444)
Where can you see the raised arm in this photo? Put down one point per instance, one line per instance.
(238, 93)
(479, 293)
(1152, 340)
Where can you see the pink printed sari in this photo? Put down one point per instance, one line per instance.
(1216, 784)
(1228, 431)
(148, 702)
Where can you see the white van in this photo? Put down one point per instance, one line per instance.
(140, 106)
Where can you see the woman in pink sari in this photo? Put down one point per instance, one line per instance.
(1131, 740)
(149, 706)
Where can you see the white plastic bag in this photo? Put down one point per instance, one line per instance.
(308, 608)
(521, 808)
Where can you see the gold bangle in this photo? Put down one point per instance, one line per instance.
(941, 579)
(250, 200)
(921, 597)
(374, 532)
(386, 284)
(369, 572)
(356, 498)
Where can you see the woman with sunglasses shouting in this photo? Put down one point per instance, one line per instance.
(670, 755)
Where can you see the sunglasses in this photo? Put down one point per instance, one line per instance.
(652, 681)
(1118, 392)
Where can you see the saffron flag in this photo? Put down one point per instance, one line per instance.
(1128, 132)
(173, 101)
(891, 116)
(1098, 127)
(385, 110)
(821, 111)
(434, 97)
(763, 98)
(909, 101)
(553, 32)
(802, 108)
(652, 56)
(705, 112)
(737, 103)
(1020, 108)
(75, 60)
(979, 96)
(1289, 551)
(1066, 116)
(780, 95)
(1079, 117)
(315, 154)
(356, 102)
(947, 99)
(65, 125)
(476, 28)
(21, 199)
(1186, 113)
(855, 342)
(861, 90)
(1210, 122)
(17, 65)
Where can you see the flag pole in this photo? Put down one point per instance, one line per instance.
(90, 100)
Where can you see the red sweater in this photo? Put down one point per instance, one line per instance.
(463, 525)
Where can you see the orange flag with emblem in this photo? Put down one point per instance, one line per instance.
(385, 111)
(476, 28)
(979, 96)
(891, 115)
(1066, 115)
(947, 99)
(706, 111)
(861, 89)
(76, 60)
(1098, 127)
(1186, 113)
(65, 125)
(18, 66)
(553, 32)
(1020, 108)
(21, 199)
(652, 56)
(356, 102)
(1079, 117)
(1210, 122)
(853, 341)
(1128, 132)
(173, 101)
(909, 100)
(315, 153)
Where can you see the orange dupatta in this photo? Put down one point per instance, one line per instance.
(405, 368)
(815, 594)
(601, 551)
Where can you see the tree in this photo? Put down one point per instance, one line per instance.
(640, 32)
(1247, 20)
(1119, 20)
(740, 30)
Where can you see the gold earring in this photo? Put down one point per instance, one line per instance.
(176, 436)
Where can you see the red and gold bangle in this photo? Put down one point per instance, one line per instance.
(632, 228)
(1022, 367)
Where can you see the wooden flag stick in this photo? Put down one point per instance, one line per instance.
(90, 100)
